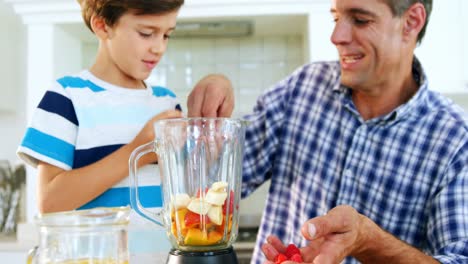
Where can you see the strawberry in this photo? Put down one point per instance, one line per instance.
(231, 203)
(292, 250)
(296, 258)
(280, 258)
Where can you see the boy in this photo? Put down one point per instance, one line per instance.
(86, 125)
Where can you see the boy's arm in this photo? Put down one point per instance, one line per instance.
(61, 190)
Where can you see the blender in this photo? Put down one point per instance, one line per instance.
(200, 163)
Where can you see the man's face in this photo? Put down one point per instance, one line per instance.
(369, 42)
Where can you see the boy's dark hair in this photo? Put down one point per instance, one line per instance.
(112, 10)
(399, 7)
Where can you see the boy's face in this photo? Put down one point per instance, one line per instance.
(369, 42)
(136, 43)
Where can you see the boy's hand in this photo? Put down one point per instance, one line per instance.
(212, 96)
(147, 134)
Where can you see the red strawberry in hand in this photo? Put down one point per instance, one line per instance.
(280, 258)
(296, 258)
(292, 250)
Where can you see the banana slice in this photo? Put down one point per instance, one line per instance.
(215, 198)
(216, 215)
(219, 186)
(199, 206)
(181, 200)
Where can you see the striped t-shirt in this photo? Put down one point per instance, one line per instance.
(82, 119)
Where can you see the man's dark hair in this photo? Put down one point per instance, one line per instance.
(112, 10)
(399, 7)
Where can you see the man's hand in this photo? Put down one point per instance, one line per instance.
(339, 233)
(333, 237)
(212, 96)
(343, 232)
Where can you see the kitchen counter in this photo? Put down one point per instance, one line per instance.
(14, 250)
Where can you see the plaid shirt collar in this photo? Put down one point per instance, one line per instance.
(400, 112)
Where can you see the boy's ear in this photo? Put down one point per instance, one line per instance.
(100, 27)
(414, 21)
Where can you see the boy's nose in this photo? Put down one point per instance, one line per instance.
(158, 47)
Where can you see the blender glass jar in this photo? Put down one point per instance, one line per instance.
(200, 163)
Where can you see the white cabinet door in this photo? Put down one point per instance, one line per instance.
(11, 60)
(464, 10)
(441, 51)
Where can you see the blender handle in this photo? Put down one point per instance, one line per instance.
(134, 196)
(32, 255)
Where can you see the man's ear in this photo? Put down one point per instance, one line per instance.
(415, 18)
(100, 28)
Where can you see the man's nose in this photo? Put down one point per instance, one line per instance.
(342, 33)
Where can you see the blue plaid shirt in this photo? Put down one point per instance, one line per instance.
(407, 170)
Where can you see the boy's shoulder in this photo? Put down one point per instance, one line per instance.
(160, 91)
(82, 79)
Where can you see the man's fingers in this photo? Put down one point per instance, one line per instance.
(330, 253)
(269, 251)
(212, 102)
(273, 247)
(226, 107)
(195, 102)
(276, 243)
(338, 220)
(212, 96)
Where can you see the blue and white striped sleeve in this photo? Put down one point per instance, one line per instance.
(51, 134)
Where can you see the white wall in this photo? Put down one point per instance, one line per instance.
(13, 77)
(251, 63)
(67, 53)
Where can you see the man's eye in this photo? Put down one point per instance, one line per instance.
(358, 21)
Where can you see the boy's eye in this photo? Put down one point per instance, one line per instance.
(167, 36)
(145, 35)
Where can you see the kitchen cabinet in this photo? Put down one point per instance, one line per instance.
(12, 57)
(464, 11)
(442, 50)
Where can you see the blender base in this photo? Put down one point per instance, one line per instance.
(224, 256)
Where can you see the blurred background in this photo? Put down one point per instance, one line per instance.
(254, 42)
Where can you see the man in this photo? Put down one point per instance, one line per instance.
(366, 163)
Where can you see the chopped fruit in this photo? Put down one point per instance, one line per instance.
(296, 258)
(216, 198)
(192, 220)
(201, 220)
(196, 237)
(219, 186)
(199, 192)
(231, 203)
(181, 201)
(216, 215)
(292, 250)
(280, 258)
(199, 206)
